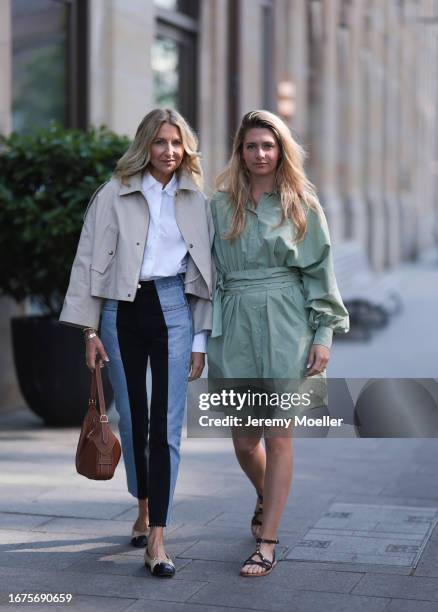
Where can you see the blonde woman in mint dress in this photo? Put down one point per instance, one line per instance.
(276, 304)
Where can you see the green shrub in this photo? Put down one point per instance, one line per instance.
(46, 181)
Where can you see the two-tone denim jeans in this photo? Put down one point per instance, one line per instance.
(156, 327)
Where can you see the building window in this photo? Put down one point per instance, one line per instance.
(49, 63)
(174, 56)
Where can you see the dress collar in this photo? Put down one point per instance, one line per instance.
(267, 194)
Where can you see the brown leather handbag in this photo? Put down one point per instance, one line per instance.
(98, 451)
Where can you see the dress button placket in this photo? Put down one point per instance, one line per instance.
(253, 241)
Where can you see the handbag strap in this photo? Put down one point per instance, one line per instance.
(96, 384)
(93, 388)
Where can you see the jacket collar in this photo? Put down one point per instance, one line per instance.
(185, 182)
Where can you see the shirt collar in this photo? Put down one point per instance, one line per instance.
(148, 182)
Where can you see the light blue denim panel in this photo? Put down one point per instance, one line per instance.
(178, 317)
(117, 378)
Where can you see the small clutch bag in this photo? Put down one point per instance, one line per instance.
(98, 451)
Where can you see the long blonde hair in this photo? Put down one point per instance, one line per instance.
(137, 157)
(291, 183)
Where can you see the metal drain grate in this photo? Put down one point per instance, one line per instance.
(365, 533)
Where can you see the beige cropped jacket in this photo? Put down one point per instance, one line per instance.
(111, 246)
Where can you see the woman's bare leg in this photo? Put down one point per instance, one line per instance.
(251, 456)
(278, 477)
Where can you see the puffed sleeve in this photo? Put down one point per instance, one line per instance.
(327, 313)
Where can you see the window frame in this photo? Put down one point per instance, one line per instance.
(268, 55)
(184, 31)
(75, 86)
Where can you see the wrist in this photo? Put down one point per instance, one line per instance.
(324, 336)
(89, 333)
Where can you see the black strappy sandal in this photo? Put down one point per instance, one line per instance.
(258, 514)
(266, 564)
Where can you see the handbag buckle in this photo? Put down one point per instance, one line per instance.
(103, 418)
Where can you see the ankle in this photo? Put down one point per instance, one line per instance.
(156, 535)
(155, 549)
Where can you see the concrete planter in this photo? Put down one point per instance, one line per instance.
(50, 364)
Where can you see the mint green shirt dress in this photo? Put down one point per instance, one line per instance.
(274, 297)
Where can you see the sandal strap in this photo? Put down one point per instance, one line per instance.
(265, 541)
(266, 565)
(259, 504)
(264, 562)
(258, 512)
(256, 516)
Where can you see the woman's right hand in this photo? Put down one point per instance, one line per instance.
(94, 348)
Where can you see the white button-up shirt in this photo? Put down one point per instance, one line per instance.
(165, 253)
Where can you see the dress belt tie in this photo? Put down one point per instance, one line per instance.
(244, 281)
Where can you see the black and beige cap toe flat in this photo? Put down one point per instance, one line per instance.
(139, 539)
(162, 568)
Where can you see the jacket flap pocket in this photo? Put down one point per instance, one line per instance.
(105, 249)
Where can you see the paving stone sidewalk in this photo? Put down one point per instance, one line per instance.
(62, 533)
(359, 532)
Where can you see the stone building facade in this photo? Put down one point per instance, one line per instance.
(356, 80)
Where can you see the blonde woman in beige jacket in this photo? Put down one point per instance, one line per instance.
(143, 269)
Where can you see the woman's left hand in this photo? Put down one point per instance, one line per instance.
(318, 359)
(197, 366)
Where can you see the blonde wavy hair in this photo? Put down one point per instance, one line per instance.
(292, 185)
(137, 157)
